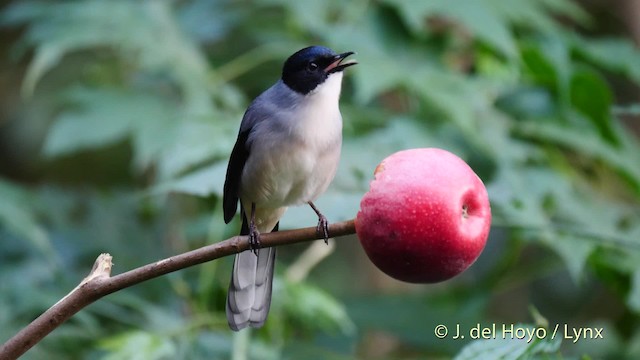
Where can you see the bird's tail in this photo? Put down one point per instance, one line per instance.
(249, 295)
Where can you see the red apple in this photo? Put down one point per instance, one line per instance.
(426, 217)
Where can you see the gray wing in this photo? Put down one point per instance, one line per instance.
(238, 158)
(257, 112)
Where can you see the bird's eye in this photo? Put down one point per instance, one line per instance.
(312, 66)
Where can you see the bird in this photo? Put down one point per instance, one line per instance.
(286, 154)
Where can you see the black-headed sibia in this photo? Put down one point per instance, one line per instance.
(286, 154)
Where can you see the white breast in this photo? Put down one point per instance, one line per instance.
(298, 159)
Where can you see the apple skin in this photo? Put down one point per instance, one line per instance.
(426, 217)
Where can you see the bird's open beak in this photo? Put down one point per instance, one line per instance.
(337, 63)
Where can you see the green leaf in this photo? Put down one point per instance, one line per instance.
(630, 110)
(197, 141)
(77, 131)
(143, 33)
(567, 8)
(564, 217)
(573, 249)
(315, 308)
(527, 102)
(548, 63)
(539, 14)
(152, 135)
(505, 346)
(624, 159)
(518, 197)
(475, 15)
(591, 95)
(614, 54)
(412, 316)
(138, 345)
(19, 217)
(314, 15)
(387, 62)
(633, 298)
(45, 58)
(538, 67)
(203, 182)
(104, 116)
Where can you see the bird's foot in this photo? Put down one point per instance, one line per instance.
(323, 224)
(254, 239)
(323, 228)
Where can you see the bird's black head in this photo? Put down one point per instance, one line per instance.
(311, 66)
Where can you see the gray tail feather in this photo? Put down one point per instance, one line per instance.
(249, 296)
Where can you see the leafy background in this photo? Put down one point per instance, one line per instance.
(116, 120)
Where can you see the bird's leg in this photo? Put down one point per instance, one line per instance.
(254, 234)
(323, 224)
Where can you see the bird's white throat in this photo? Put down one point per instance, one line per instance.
(329, 90)
(320, 120)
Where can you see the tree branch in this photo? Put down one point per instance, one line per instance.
(99, 282)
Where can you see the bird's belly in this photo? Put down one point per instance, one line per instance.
(296, 174)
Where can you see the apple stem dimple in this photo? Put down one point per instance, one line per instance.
(465, 211)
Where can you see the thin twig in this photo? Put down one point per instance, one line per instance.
(99, 283)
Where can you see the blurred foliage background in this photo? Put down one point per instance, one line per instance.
(117, 118)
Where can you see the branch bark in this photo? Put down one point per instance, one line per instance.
(100, 283)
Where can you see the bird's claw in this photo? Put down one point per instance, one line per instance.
(254, 239)
(323, 228)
